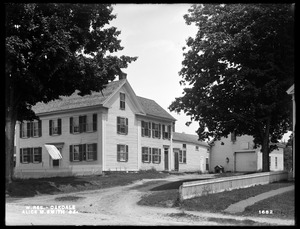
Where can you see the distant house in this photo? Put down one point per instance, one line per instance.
(237, 154)
(190, 153)
(112, 130)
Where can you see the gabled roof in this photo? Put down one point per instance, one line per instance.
(153, 109)
(191, 138)
(145, 106)
(76, 101)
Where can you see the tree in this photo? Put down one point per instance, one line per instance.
(238, 68)
(51, 50)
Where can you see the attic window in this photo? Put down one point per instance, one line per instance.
(122, 101)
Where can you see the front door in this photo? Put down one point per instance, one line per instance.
(176, 164)
(166, 159)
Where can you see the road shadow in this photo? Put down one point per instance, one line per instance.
(172, 185)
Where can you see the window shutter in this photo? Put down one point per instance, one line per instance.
(59, 125)
(40, 152)
(21, 127)
(149, 130)
(150, 155)
(71, 125)
(159, 158)
(95, 151)
(40, 127)
(126, 152)
(71, 152)
(21, 155)
(153, 134)
(143, 148)
(30, 155)
(29, 129)
(83, 152)
(50, 127)
(169, 131)
(118, 125)
(163, 131)
(126, 127)
(118, 152)
(143, 128)
(94, 122)
(159, 130)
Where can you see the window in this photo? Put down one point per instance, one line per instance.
(275, 162)
(122, 153)
(83, 123)
(182, 156)
(146, 154)
(122, 101)
(156, 130)
(207, 164)
(37, 155)
(166, 131)
(197, 148)
(184, 146)
(156, 155)
(55, 127)
(76, 154)
(146, 129)
(83, 152)
(31, 129)
(24, 155)
(122, 125)
(91, 152)
(74, 125)
(31, 155)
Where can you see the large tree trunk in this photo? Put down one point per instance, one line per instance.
(9, 146)
(265, 149)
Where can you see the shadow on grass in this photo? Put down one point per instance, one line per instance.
(172, 185)
(32, 187)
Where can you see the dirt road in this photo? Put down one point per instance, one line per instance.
(112, 206)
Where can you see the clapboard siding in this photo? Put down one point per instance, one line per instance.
(195, 160)
(67, 138)
(113, 138)
(153, 143)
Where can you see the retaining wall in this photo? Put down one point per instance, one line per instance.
(192, 189)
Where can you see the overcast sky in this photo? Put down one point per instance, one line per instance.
(156, 33)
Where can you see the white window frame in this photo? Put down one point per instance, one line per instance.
(182, 156)
(35, 129)
(122, 125)
(155, 130)
(76, 125)
(24, 130)
(122, 153)
(122, 101)
(155, 156)
(34, 155)
(27, 155)
(148, 154)
(276, 162)
(89, 123)
(90, 151)
(76, 152)
(54, 126)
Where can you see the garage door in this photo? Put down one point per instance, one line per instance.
(245, 161)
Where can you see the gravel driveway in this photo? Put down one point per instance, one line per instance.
(111, 206)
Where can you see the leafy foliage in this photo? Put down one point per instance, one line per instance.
(237, 70)
(45, 47)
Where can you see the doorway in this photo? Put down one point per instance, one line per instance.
(166, 151)
(176, 160)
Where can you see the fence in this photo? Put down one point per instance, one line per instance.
(192, 189)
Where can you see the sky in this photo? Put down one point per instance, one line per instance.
(156, 34)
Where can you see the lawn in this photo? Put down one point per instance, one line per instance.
(55, 185)
(218, 202)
